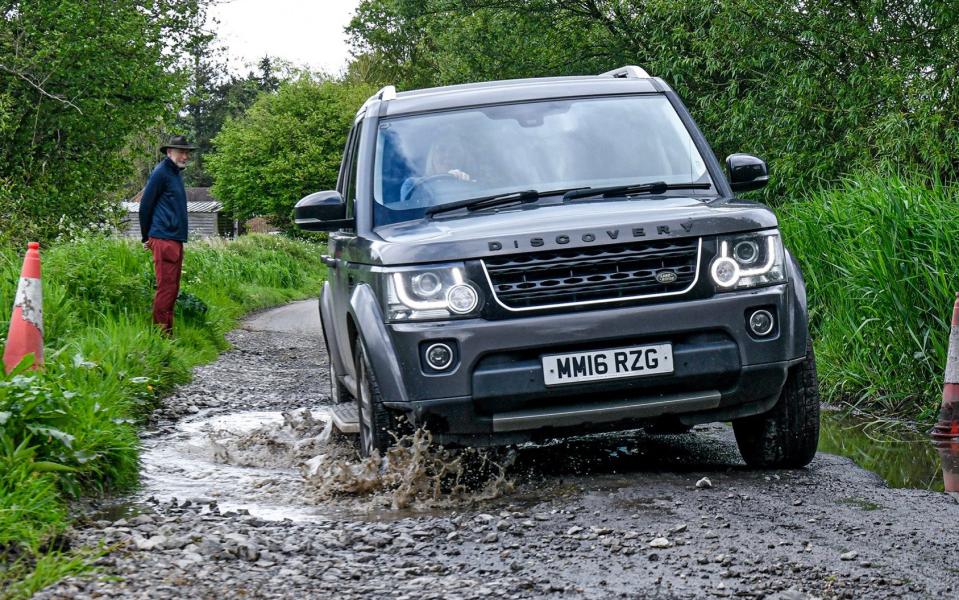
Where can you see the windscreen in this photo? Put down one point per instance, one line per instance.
(435, 159)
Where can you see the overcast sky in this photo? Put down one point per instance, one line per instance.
(305, 32)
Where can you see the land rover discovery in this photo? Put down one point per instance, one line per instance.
(538, 258)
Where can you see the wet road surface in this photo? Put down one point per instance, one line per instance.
(634, 516)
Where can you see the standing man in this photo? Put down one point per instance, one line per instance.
(163, 226)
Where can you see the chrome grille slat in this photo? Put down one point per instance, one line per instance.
(678, 254)
(610, 273)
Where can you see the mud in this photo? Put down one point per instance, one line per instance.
(260, 500)
(414, 474)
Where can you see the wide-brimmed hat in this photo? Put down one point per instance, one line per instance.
(177, 141)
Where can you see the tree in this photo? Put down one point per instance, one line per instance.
(820, 88)
(288, 145)
(77, 79)
(215, 95)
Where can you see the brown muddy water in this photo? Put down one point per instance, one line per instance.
(900, 454)
(293, 465)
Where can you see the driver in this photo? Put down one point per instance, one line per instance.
(440, 163)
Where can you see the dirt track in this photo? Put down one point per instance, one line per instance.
(602, 517)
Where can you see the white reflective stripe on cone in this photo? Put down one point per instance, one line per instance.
(30, 300)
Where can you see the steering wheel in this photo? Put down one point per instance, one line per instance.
(429, 179)
(419, 199)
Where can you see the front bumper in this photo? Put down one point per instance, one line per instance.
(496, 392)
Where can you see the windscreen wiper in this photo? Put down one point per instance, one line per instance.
(655, 187)
(472, 204)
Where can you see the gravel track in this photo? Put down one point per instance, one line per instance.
(626, 516)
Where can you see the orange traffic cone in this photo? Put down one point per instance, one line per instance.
(26, 324)
(949, 456)
(948, 426)
(946, 432)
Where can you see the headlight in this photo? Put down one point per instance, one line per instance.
(748, 260)
(430, 293)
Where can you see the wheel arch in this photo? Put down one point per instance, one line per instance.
(370, 327)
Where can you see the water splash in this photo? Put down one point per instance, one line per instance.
(242, 461)
(295, 465)
(414, 473)
(299, 437)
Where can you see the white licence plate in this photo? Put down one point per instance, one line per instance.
(618, 363)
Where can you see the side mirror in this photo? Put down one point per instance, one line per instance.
(746, 172)
(321, 211)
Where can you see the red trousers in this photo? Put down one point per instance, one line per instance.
(167, 263)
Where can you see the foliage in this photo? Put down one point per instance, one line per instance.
(215, 95)
(29, 575)
(72, 429)
(288, 145)
(819, 88)
(879, 256)
(77, 79)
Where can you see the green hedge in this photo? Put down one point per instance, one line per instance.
(880, 255)
(71, 430)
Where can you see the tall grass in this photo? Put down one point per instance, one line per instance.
(71, 430)
(880, 255)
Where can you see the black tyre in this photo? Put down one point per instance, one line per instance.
(377, 423)
(787, 435)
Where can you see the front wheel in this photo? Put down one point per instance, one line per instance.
(787, 435)
(377, 423)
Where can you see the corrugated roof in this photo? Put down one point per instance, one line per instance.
(210, 206)
(191, 207)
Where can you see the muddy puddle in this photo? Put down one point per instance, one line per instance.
(294, 465)
(901, 455)
(242, 461)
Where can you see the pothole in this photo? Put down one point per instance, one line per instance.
(293, 465)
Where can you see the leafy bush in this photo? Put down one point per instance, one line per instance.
(880, 256)
(286, 146)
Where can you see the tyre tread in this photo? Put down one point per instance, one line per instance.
(385, 422)
(787, 435)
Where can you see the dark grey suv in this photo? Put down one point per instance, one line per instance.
(537, 258)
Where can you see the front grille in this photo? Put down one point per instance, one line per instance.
(590, 275)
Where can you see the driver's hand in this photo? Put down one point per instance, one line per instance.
(462, 176)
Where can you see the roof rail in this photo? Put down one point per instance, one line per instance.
(626, 72)
(387, 93)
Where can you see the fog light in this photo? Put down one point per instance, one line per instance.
(761, 322)
(439, 356)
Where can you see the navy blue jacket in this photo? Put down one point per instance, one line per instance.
(163, 204)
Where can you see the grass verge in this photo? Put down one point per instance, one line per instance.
(880, 255)
(71, 430)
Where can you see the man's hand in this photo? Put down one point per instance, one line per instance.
(146, 245)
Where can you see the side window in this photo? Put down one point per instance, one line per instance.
(353, 169)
